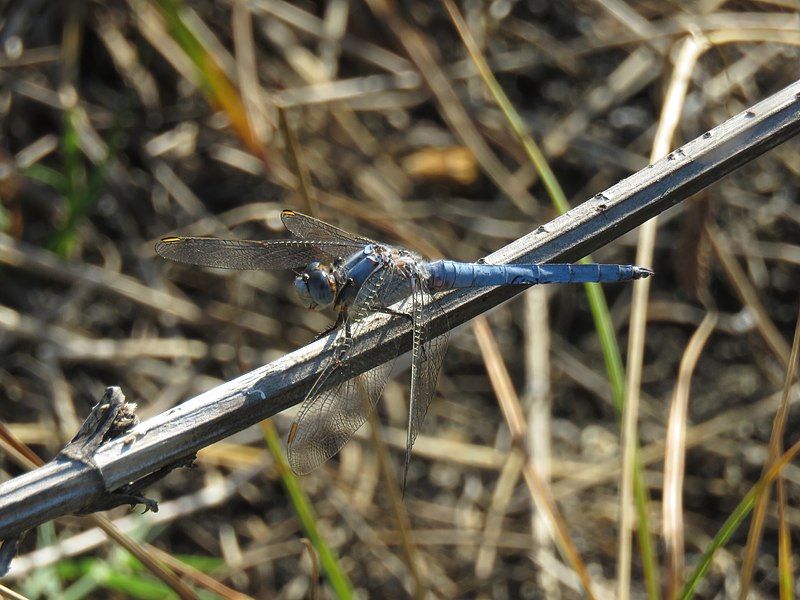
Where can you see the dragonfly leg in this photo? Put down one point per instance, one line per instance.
(395, 313)
(404, 315)
(330, 329)
(340, 319)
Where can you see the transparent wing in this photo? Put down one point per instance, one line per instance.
(427, 355)
(328, 419)
(318, 241)
(250, 254)
(314, 231)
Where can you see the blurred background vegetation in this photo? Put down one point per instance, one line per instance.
(122, 122)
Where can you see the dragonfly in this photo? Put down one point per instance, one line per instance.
(359, 277)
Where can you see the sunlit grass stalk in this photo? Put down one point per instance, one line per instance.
(594, 293)
(779, 426)
(220, 92)
(732, 523)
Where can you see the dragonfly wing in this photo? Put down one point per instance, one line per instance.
(318, 241)
(249, 254)
(328, 418)
(314, 231)
(427, 355)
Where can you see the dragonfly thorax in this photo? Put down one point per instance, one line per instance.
(316, 286)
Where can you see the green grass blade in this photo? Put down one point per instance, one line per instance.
(330, 564)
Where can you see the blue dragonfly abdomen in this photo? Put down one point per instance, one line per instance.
(449, 275)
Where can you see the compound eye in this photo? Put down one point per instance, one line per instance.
(316, 286)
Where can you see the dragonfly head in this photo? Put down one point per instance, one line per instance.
(316, 286)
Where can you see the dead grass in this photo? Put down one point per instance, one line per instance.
(123, 122)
